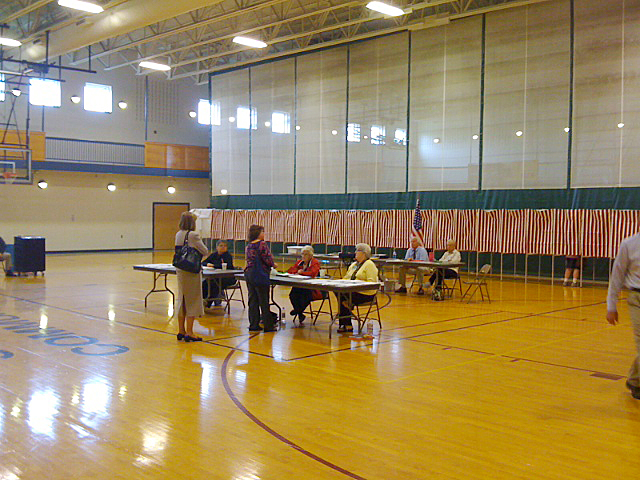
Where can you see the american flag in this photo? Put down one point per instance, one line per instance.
(416, 228)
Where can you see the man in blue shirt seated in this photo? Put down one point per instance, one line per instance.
(416, 253)
(5, 258)
(210, 291)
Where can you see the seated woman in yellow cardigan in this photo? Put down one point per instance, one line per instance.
(362, 269)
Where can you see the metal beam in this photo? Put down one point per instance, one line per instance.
(26, 10)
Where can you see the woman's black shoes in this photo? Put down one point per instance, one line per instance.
(188, 338)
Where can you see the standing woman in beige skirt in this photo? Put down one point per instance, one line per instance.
(189, 302)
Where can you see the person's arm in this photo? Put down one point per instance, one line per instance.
(370, 272)
(616, 282)
(207, 260)
(313, 270)
(407, 256)
(295, 268)
(228, 259)
(194, 240)
(267, 258)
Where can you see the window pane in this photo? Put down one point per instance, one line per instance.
(44, 93)
(353, 132)
(204, 112)
(247, 118)
(280, 122)
(377, 135)
(98, 98)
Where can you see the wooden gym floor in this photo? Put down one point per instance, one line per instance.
(530, 386)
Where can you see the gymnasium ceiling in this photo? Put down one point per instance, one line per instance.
(195, 36)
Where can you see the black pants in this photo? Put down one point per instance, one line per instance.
(356, 299)
(259, 307)
(210, 289)
(436, 278)
(300, 299)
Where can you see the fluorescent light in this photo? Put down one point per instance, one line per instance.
(16, 92)
(385, 9)
(223, 191)
(620, 125)
(84, 6)
(75, 99)
(9, 42)
(566, 129)
(171, 189)
(193, 114)
(155, 66)
(122, 104)
(476, 136)
(111, 187)
(249, 42)
(436, 140)
(519, 133)
(42, 184)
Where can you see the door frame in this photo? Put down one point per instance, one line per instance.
(153, 218)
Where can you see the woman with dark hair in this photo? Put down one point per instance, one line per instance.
(189, 298)
(259, 264)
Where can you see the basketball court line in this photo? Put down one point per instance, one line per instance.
(519, 358)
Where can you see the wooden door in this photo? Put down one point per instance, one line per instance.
(166, 217)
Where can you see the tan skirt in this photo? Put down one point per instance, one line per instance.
(189, 292)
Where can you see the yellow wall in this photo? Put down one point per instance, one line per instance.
(77, 212)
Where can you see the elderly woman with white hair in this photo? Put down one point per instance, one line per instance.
(362, 269)
(302, 297)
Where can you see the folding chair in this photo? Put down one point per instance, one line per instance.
(372, 311)
(449, 289)
(229, 298)
(479, 281)
(314, 314)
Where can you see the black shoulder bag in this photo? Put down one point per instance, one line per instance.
(188, 258)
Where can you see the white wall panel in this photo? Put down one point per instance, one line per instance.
(322, 105)
(445, 106)
(377, 96)
(229, 144)
(272, 90)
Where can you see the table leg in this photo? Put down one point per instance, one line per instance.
(156, 276)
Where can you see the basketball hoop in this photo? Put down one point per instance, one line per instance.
(9, 177)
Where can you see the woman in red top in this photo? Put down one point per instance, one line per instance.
(301, 297)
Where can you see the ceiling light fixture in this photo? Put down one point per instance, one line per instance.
(171, 189)
(476, 136)
(9, 42)
(436, 140)
(16, 92)
(223, 191)
(75, 98)
(155, 66)
(79, 5)
(519, 133)
(267, 124)
(193, 114)
(566, 129)
(249, 42)
(42, 184)
(111, 187)
(232, 119)
(122, 104)
(385, 9)
(620, 125)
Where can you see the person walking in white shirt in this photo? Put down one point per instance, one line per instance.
(626, 272)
